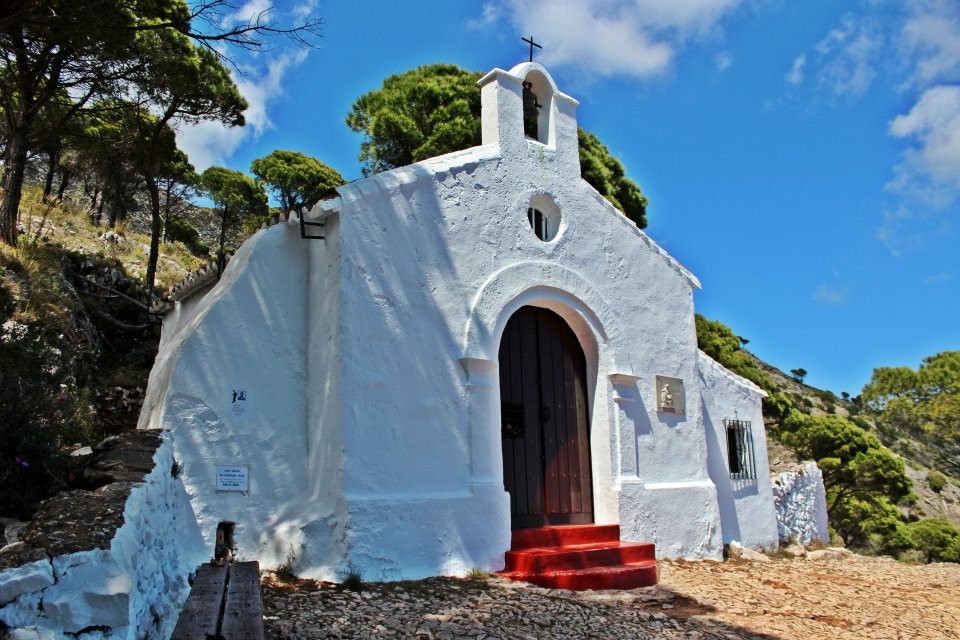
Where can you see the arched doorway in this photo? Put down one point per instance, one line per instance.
(544, 425)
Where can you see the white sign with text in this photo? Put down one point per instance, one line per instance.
(233, 478)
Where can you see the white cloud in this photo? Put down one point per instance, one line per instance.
(699, 16)
(212, 143)
(939, 278)
(931, 167)
(932, 34)
(304, 10)
(795, 76)
(491, 13)
(906, 228)
(249, 12)
(848, 55)
(826, 294)
(638, 38)
(723, 60)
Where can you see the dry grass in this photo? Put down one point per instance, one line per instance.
(67, 225)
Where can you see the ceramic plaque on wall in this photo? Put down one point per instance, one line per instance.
(671, 398)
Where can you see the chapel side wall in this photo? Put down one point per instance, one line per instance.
(320, 547)
(246, 334)
(747, 510)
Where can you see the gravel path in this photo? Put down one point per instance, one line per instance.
(826, 596)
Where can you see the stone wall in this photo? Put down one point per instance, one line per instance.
(108, 563)
(801, 504)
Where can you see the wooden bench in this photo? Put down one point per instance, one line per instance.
(224, 604)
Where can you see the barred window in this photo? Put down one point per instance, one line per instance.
(740, 449)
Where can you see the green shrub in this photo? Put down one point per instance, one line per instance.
(936, 481)
(353, 581)
(912, 556)
(45, 357)
(723, 345)
(826, 396)
(478, 575)
(179, 230)
(864, 481)
(937, 538)
(776, 406)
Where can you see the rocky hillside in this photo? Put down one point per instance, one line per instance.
(76, 344)
(943, 503)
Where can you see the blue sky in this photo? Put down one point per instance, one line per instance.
(802, 158)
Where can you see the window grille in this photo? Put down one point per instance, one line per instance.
(740, 449)
(542, 225)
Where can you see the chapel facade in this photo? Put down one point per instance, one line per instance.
(480, 343)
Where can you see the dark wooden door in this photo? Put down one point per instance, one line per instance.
(544, 425)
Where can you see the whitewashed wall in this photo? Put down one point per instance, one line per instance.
(747, 512)
(133, 590)
(436, 258)
(801, 504)
(248, 333)
(373, 431)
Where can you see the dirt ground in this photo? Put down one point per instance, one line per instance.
(854, 597)
(823, 596)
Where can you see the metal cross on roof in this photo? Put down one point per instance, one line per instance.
(532, 45)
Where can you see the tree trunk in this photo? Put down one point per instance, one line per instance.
(15, 162)
(51, 171)
(166, 209)
(223, 236)
(64, 181)
(116, 208)
(154, 191)
(103, 201)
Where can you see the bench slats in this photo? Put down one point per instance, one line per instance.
(243, 612)
(201, 612)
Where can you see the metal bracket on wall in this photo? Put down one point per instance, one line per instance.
(303, 229)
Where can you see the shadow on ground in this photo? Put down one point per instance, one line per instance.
(485, 606)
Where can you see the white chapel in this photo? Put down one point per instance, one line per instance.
(480, 344)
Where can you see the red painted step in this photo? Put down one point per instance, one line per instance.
(580, 557)
(563, 536)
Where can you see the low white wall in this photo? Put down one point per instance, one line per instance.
(132, 590)
(801, 503)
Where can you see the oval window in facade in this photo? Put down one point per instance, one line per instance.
(544, 217)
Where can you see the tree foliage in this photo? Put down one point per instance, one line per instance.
(922, 403)
(435, 109)
(238, 196)
(425, 112)
(939, 539)
(297, 179)
(97, 50)
(863, 479)
(54, 47)
(183, 83)
(723, 345)
(607, 175)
